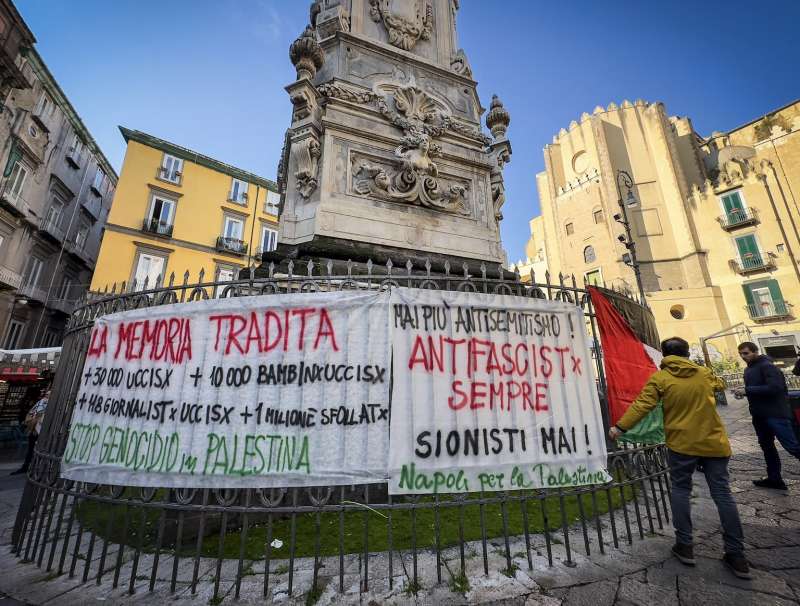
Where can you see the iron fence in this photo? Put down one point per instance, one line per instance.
(302, 539)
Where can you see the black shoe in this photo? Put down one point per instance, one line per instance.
(19, 471)
(738, 565)
(767, 483)
(684, 553)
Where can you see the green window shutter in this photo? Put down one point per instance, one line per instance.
(775, 290)
(748, 293)
(732, 202)
(748, 251)
(13, 156)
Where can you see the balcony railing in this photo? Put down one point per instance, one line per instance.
(154, 226)
(769, 311)
(9, 278)
(752, 263)
(49, 225)
(231, 245)
(739, 217)
(65, 306)
(15, 201)
(78, 249)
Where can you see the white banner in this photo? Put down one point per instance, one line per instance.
(263, 391)
(491, 392)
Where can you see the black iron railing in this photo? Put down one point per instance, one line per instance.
(738, 217)
(231, 245)
(154, 226)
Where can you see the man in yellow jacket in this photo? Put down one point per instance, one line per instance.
(696, 439)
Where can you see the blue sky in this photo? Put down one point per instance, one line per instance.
(209, 75)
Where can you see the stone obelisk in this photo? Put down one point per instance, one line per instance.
(385, 156)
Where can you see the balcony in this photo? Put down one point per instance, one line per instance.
(752, 263)
(32, 293)
(231, 245)
(65, 306)
(9, 278)
(49, 226)
(765, 312)
(73, 157)
(740, 217)
(160, 228)
(79, 251)
(92, 206)
(14, 201)
(270, 209)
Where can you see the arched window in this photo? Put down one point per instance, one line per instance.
(588, 254)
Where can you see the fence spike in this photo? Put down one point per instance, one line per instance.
(428, 266)
(389, 266)
(409, 266)
(122, 287)
(271, 268)
(171, 279)
(329, 266)
(369, 267)
(447, 267)
(202, 275)
(465, 267)
(349, 268)
(310, 267)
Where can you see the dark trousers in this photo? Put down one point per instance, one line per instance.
(769, 428)
(32, 437)
(681, 468)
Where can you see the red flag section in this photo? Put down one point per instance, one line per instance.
(627, 364)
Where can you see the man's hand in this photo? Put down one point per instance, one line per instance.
(739, 392)
(614, 433)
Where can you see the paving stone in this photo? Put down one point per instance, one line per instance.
(696, 591)
(777, 558)
(644, 594)
(592, 594)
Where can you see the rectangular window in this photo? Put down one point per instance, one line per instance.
(171, 169)
(80, 236)
(14, 334)
(44, 107)
(51, 338)
(271, 203)
(161, 215)
(224, 274)
(16, 180)
(54, 213)
(269, 239)
(149, 271)
(598, 216)
(32, 272)
(233, 228)
(238, 191)
(75, 150)
(593, 278)
(749, 252)
(764, 299)
(569, 228)
(99, 181)
(65, 290)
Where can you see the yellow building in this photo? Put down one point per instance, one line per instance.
(714, 220)
(176, 210)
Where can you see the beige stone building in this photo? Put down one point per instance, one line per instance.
(534, 266)
(714, 220)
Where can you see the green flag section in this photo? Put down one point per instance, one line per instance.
(649, 430)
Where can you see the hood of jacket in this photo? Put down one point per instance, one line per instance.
(679, 367)
(760, 360)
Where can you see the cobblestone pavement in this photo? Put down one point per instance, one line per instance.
(641, 573)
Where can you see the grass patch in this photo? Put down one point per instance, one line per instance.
(413, 588)
(459, 583)
(455, 518)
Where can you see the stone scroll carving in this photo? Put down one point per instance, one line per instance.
(305, 157)
(406, 21)
(415, 183)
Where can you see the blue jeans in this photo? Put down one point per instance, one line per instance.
(681, 468)
(769, 428)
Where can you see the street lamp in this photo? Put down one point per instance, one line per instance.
(629, 201)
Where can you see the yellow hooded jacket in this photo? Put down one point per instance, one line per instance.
(691, 423)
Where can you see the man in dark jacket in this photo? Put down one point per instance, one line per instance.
(765, 388)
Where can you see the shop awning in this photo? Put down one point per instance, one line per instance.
(23, 365)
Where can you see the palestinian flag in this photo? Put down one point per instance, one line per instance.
(629, 363)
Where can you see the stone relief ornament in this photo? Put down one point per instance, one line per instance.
(406, 21)
(460, 65)
(305, 156)
(409, 185)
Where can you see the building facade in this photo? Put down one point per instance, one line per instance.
(176, 210)
(534, 266)
(714, 220)
(55, 192)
